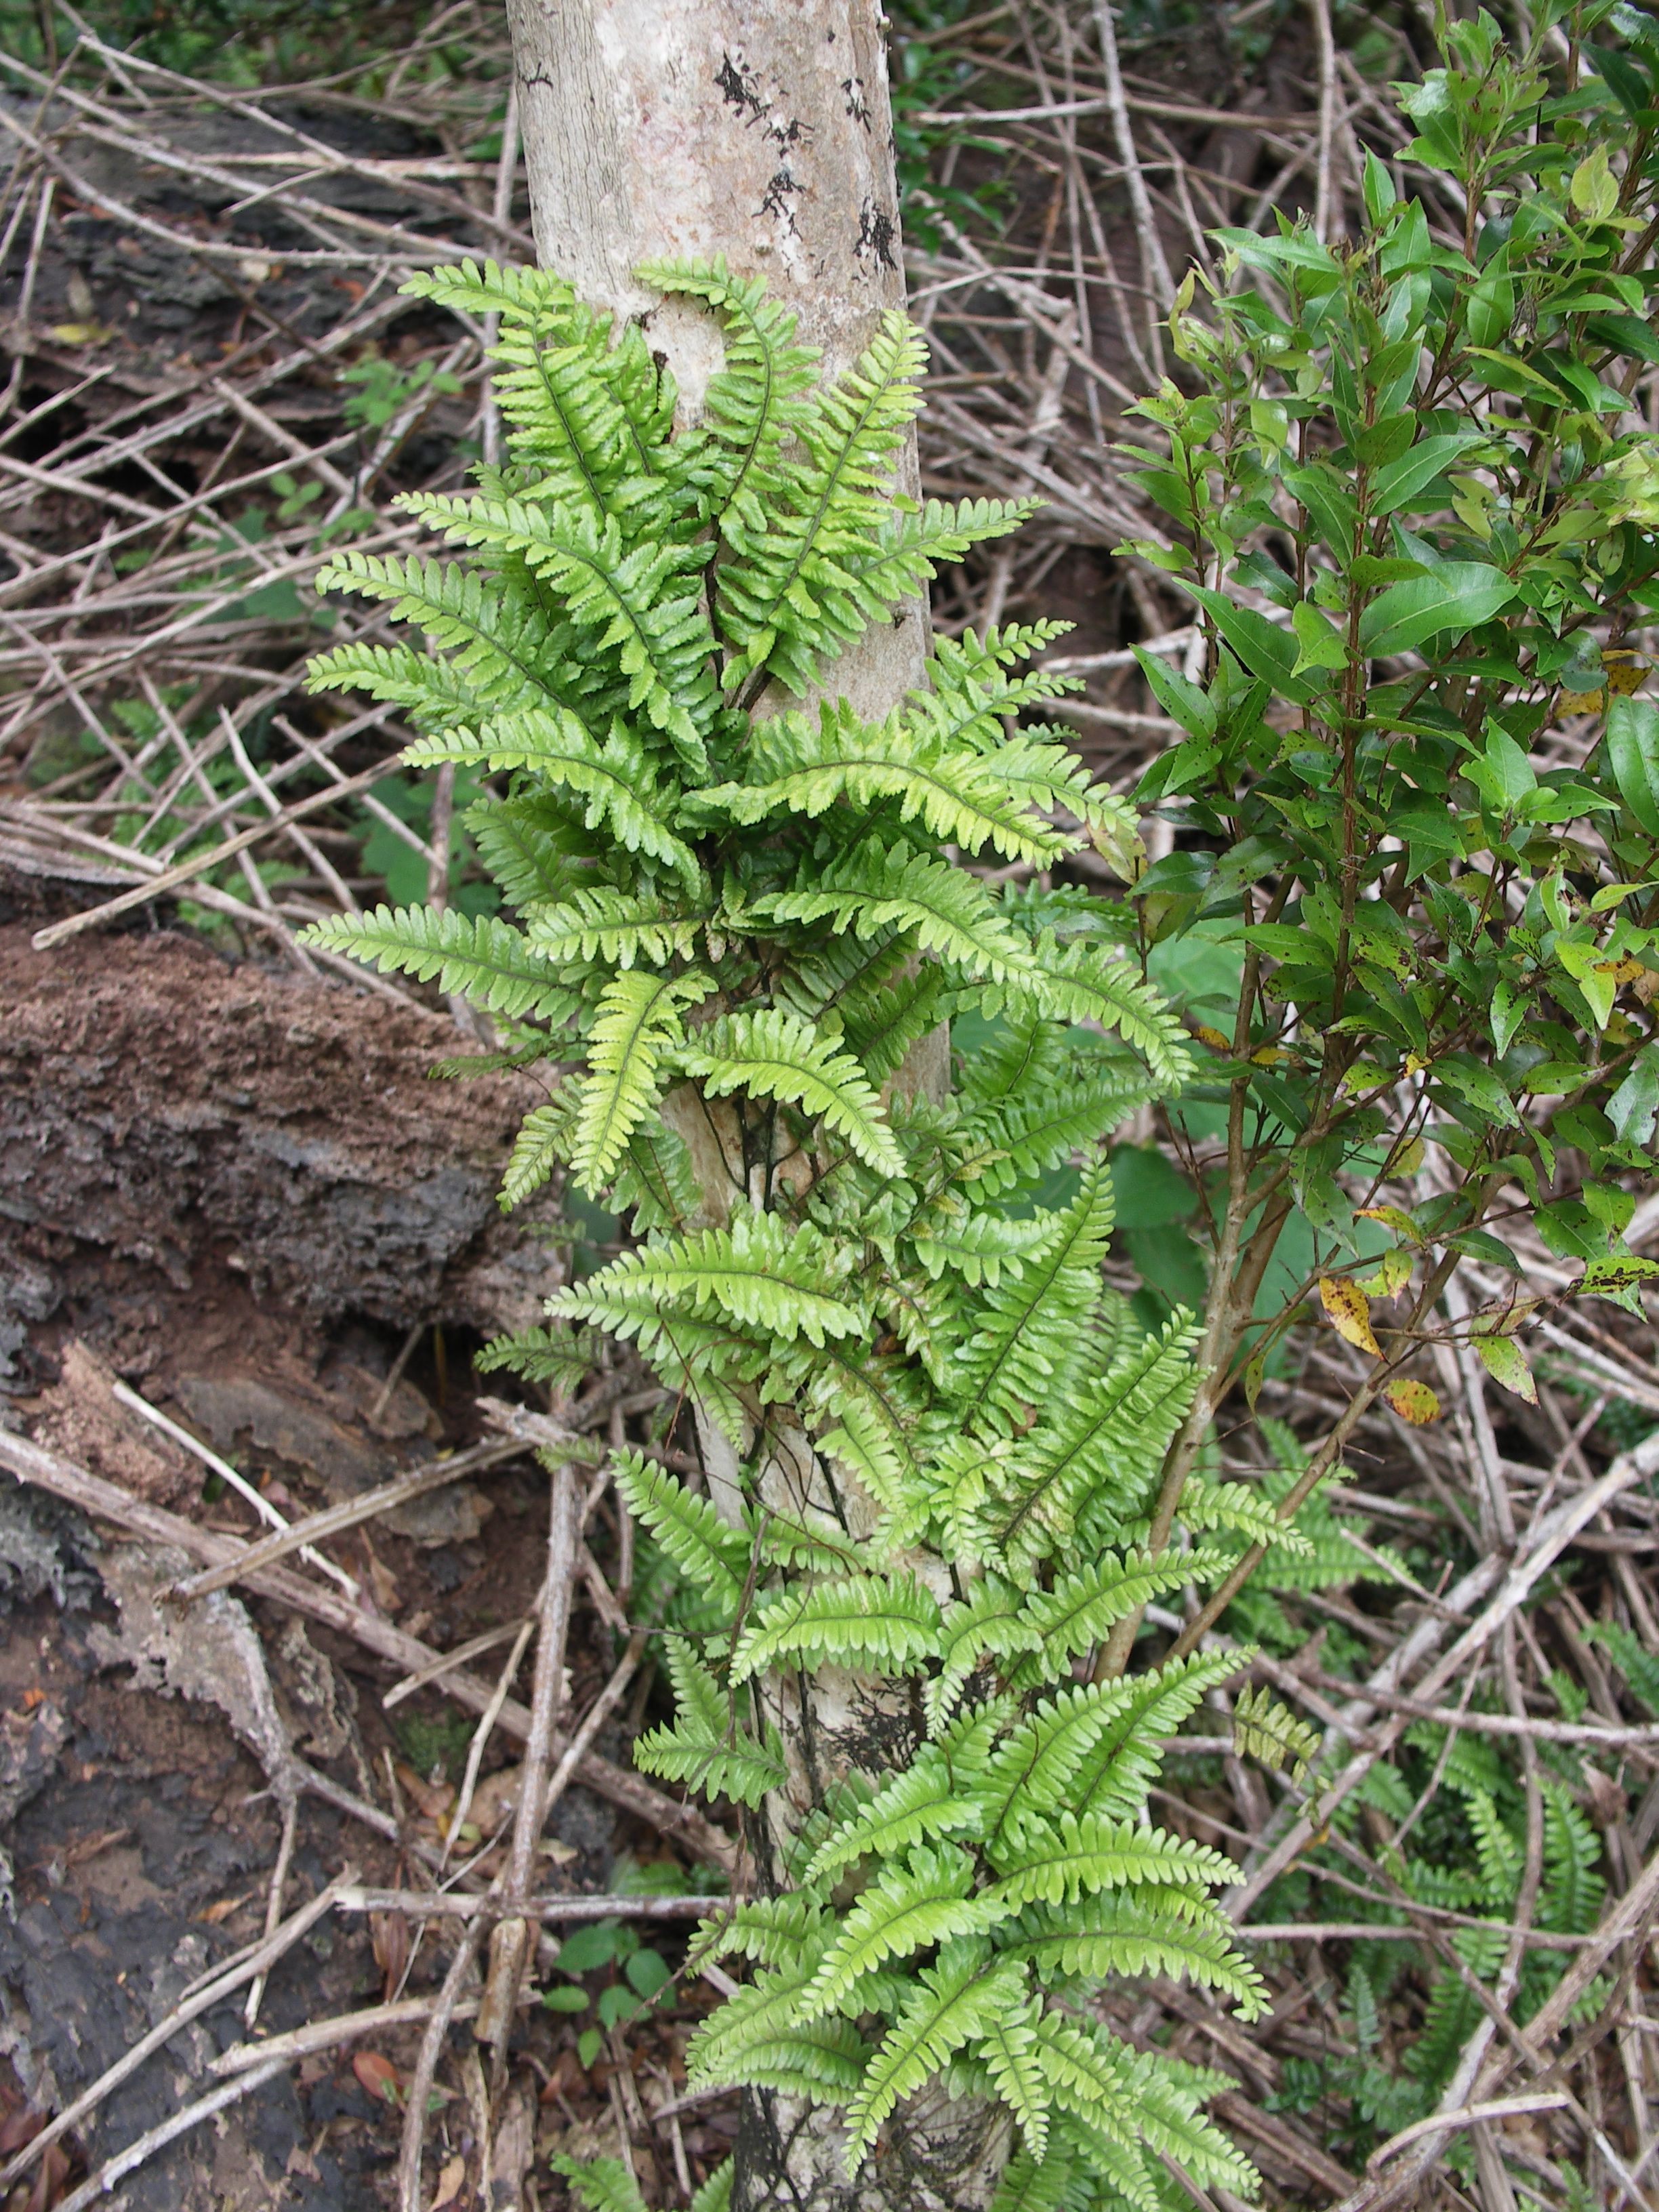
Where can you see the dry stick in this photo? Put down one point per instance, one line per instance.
(239, 1482)
(426, 2065)
(336, 1519)
(452, 1904)
(318, 2035)
(168, 2131)
(212, 1993)
(1548, 1538)
(509, 1940)
(1155, 269)
(72, 925)
(274, 1899)
(594, 1720)
(105, 1500)
(480, 1735)
(474, 1648)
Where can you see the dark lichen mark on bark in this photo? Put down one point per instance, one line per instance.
(857, 105)
(877, 235)
(740, 87)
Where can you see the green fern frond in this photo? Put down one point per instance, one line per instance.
(880, 1024)
(1083, 1605)
(886, 1621)
(773, 1931)
(912, 1904)
(715, 2195)
(798, 765)
(706, 1747)
(1639, 1666)
(821, 2060)
(980, 1248)
(917, 1805)
(757, 1271)
(542, 1143)
(1085, 982)
(600, 2184)
(751, 2021)
(616, 926)
(875, 890)
(1008, 2046)
(752, 405)
(531, 844)
(616, 784)
(1126, 2093)
(958, 1999)
(905, 553)
(714, 1556)
(1124, 1757)
(790, 602)
(618, 596)
(430, 692)
(638, 1018)
(1106, 1441)
(477, 956)
(771, 1054)
(1057, 1863)
(1030, 1325)
(655, 1176)
(1170, 1930)
(495, 636)
(1264, 1729)
(1030, 2183)
(562, 1358)
(493, 287)
(986, 1622)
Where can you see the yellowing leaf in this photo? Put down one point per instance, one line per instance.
(1413, 1402)
(1350, 1315)
(1265, 1055)
(1206, 1035)
(1580, 703)
(75, 334)
(1406, 1158)
(1504, 1361)
(1625, 672)
(1392, 1217)
(1394, 1272)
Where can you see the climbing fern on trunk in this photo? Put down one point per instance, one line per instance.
(933, 1435)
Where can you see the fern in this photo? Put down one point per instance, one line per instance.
(776, 1056)
(956, 2000)
(1263, 1728)
(730, 935)
(886, 1620)
(711, 1555)
(637, 1017)
(477, 956)
(600, 2184)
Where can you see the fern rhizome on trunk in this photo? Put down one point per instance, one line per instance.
(932, 1434)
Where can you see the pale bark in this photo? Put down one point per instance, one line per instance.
(760, 129)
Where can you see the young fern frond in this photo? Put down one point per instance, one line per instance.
(889, 1621)
(636, 1019)
(1264, 1729)
(701, 1545)
(753, 404)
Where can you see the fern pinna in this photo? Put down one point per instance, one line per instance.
(932, 1434)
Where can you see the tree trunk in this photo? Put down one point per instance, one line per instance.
(759, 129)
